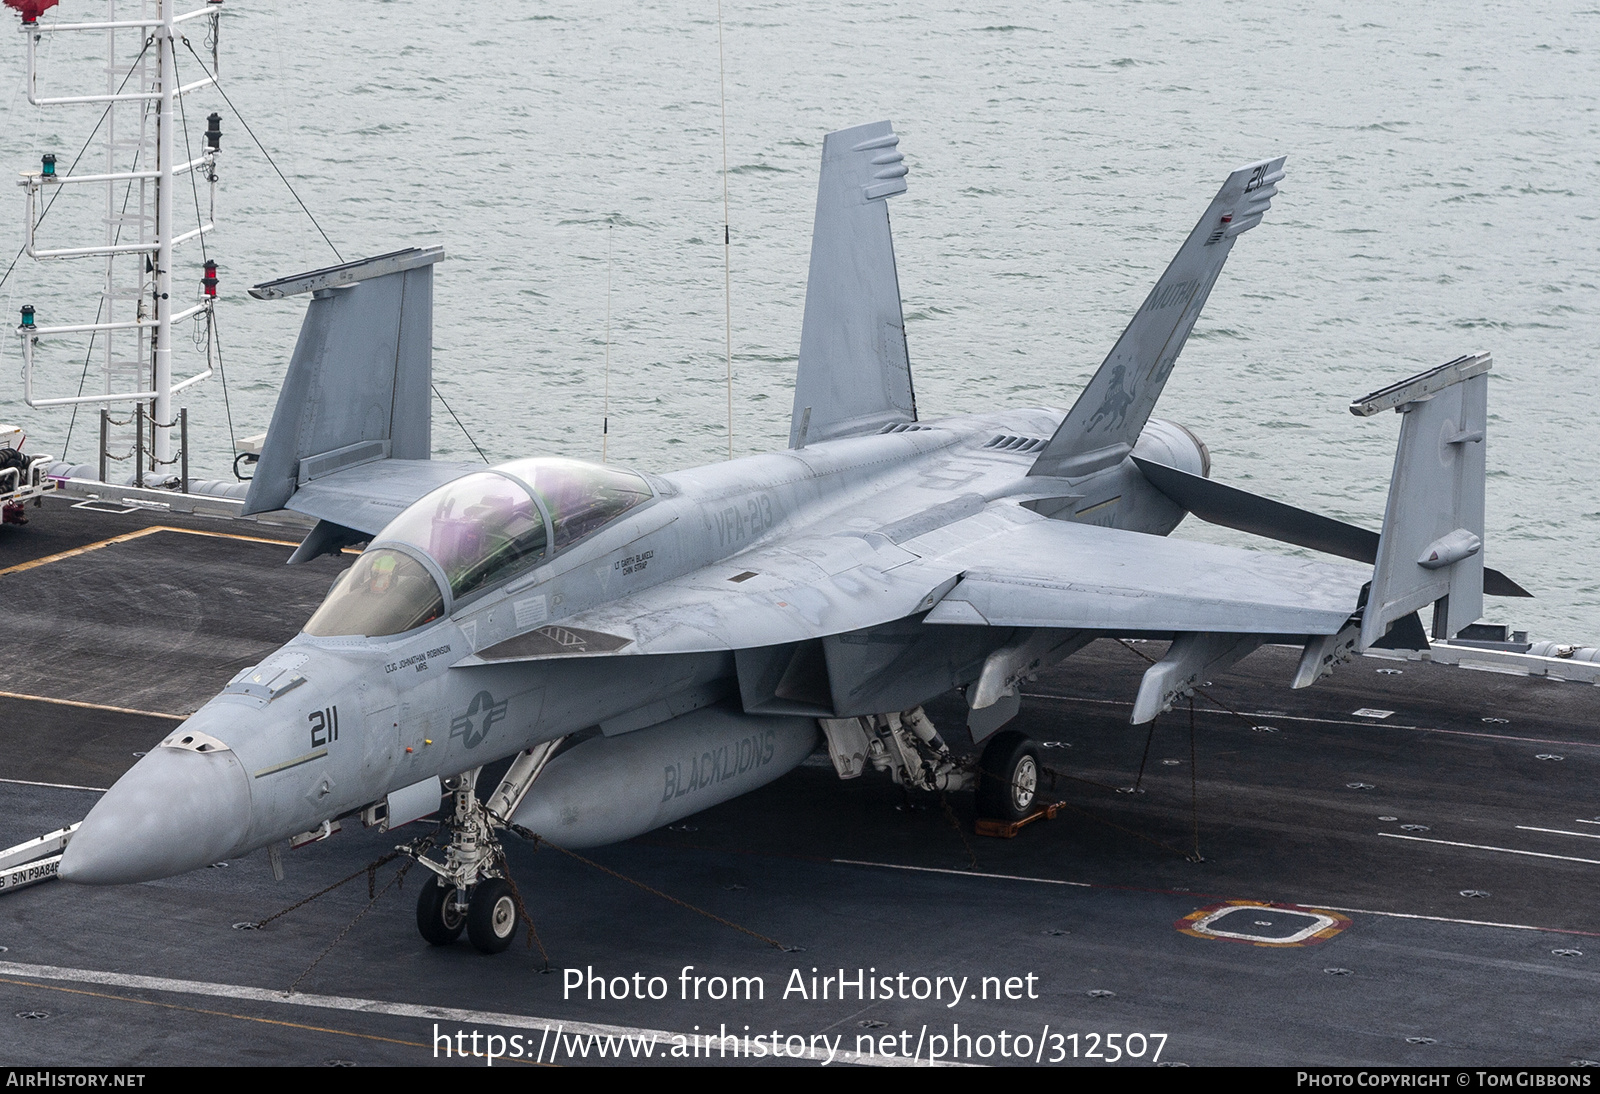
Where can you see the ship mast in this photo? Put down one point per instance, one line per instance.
(137, 347)
(166, 66)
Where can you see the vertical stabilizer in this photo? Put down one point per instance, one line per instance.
(1430, 550)
(359, 382)
(1105, 422)
(854, 374)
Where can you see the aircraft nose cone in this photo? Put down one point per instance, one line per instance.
(174, 811)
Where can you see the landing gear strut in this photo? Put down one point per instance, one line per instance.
(909, 747)
(906, 745)
(470, 890)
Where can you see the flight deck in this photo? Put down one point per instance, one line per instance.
(1398, 865)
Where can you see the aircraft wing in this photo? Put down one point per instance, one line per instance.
(1049, 573)
(1003, 567)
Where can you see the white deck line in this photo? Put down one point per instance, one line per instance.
(1486, 847)
(1559, 831)
(1288, 905)
(963, 873)
(1466, 922)
(1364, 723)
(458, 1016)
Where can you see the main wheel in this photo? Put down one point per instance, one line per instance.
(437, 918)
(1008, 777)
(492, 915)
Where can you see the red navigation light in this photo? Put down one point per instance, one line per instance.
(30, 9)
(210, 279)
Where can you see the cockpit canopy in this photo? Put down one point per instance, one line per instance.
(479, 529)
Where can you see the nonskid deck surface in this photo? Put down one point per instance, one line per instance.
(1384, 821)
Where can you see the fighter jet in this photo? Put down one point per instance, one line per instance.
(644, 646)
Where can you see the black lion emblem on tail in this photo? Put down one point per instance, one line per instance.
(1117, 401)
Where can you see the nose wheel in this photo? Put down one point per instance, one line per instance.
(492, 915)
(439, 919)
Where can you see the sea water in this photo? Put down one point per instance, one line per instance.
(1441, 199)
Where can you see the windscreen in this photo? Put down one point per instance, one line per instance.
(385, 592)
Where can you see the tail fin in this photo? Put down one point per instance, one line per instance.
(1431, 545)
(358, 384)
(1104, 423)
(854, 374)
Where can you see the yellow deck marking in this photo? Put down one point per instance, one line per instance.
(1328, 923)
(91, 706)
(124, 538)
(141, 533)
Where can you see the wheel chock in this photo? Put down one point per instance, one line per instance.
(1000, 829)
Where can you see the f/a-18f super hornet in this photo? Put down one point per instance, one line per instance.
(645, 646)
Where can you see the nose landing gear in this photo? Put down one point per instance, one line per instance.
(470, 889)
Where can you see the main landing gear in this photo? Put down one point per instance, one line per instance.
(909, 747)
(1008, 777)
(470, 889)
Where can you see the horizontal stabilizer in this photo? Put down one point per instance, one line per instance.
(1104, 424)
(1243, 511)
(368, 497)
(854, 375)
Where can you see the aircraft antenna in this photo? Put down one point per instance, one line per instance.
(605, 413)
(727, 239)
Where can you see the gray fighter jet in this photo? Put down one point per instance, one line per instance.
(646, 646)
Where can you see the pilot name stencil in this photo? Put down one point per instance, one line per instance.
(481, 715)
(633, 563)
(723, 763)
(420, 660)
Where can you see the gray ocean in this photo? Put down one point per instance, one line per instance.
(1442, 198)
